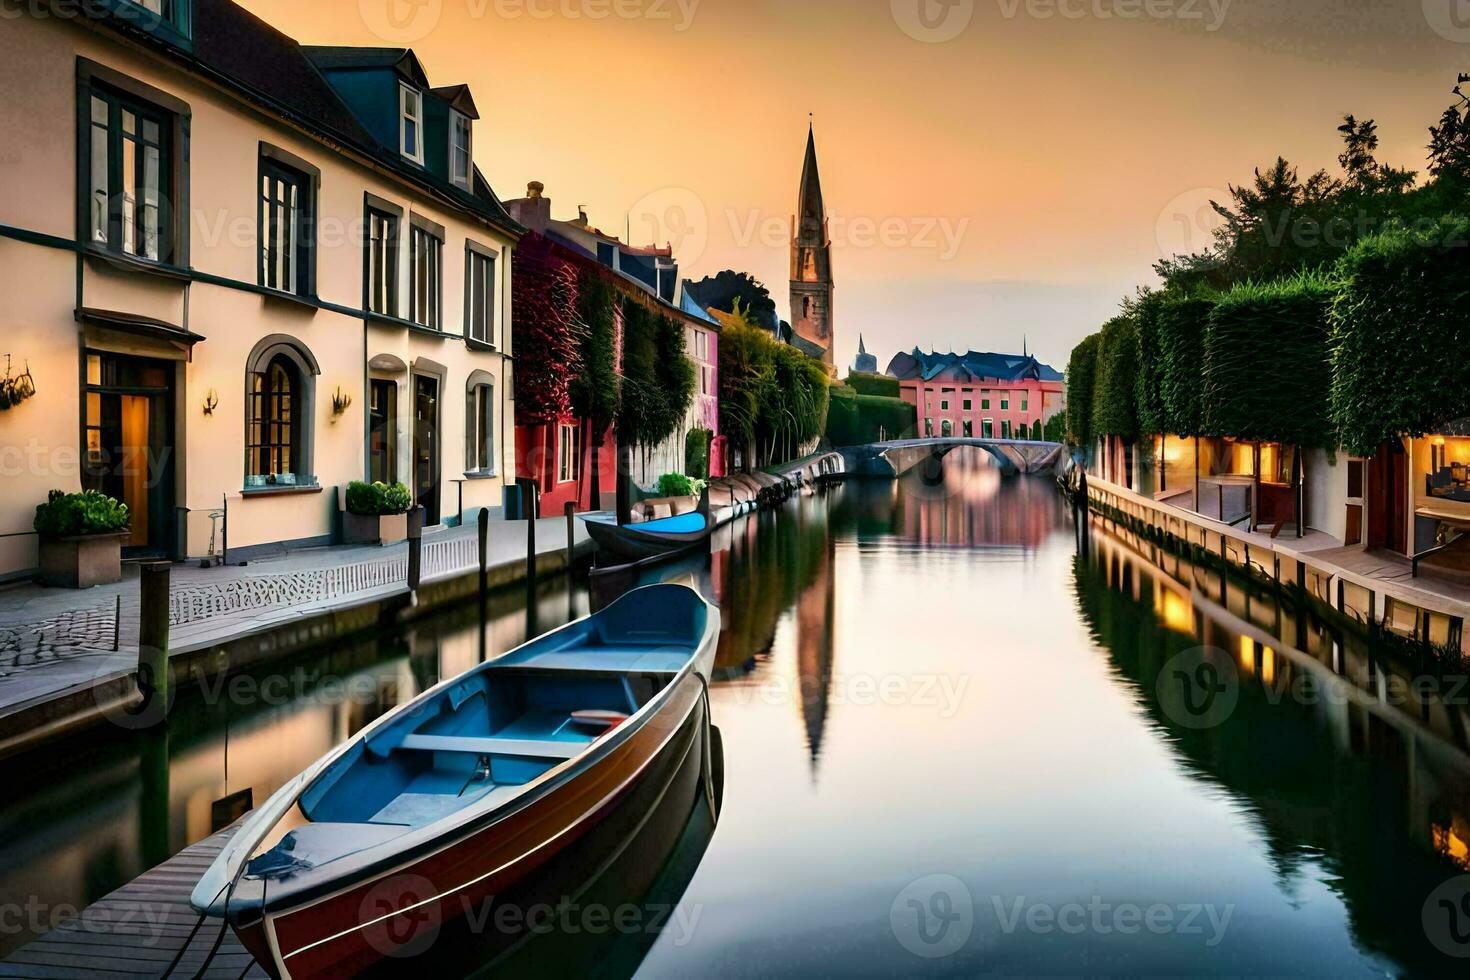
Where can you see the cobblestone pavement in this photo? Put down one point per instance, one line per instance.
(40, 626)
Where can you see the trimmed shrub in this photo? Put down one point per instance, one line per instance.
(1180, 325)
(1056, 428)
(66, 515)
(873, 384)
(858, 420)
(1114, 404)
(1148, 382)
(1400, 330)
(696, 453)
(1081, 385)
(378, 499)
(1267, 375)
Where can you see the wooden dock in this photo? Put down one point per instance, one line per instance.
(144, 929)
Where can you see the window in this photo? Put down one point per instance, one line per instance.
(969, 405)
(1025, 405)
(280, 385)
(480, 425)
(947, 428)
(969, 429)
(383, 437)
(129, 176)
(1005, 428)
(1005, 404)
(985, 404)
(426, 259)
(568, 453)
(460, 157)
(987, 429)
(285, 223)
(411, 124)
(928, 427)
(944, 405)
(479, 302)
(382, 262)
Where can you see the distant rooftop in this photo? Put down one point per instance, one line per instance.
(972, 366)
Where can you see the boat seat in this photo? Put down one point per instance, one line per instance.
(620, 659)
(520, 748)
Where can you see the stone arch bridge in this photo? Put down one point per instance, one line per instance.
(894, 459)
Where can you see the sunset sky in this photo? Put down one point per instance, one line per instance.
(1000, 168)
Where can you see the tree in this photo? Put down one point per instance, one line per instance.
(1449, 142)
(722, 292)
(596, 392)
(1114, 400)
(1081, 382)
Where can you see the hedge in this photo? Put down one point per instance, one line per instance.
(1181, 322)
(1400, 333)
(873, 384)
(1148, 381)
(1267, 375)
(1114, 398)
(1081, 380)
(857, 420)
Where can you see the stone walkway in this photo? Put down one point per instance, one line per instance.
(51, 640)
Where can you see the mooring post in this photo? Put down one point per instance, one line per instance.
(484, 528)
(153, 637)
(117, 623)
(415, 547)
(571, 512)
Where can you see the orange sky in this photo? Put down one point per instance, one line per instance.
(1017, 177)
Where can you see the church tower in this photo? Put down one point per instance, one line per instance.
(811, 260)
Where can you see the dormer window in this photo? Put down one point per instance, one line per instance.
(411, 124)
(167, 17)
(460, 158)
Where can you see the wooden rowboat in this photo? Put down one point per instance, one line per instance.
(652, 540)
(464, 791)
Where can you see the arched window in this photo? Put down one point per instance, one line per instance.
(947, 428)
(479, 425)
(280, 387)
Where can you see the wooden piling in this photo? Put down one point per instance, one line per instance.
(571, 512)
(153, 637)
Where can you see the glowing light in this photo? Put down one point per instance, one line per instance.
(1176, 612)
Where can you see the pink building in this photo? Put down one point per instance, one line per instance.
(979, 396)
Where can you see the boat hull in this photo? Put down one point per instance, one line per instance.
(397, 915)
(630, 544)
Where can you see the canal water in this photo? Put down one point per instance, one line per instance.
(956, 734)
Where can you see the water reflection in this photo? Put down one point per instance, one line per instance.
(925, 678)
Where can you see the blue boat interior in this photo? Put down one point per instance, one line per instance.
(691, 523)
(478, 741)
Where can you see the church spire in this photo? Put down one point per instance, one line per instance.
(862, 349)
(810, 207)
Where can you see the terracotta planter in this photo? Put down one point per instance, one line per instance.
(83, 561)
(374, 529)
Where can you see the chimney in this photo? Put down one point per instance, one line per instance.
(533, 210)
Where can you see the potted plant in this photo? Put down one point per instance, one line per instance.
(81, 539)
(376, 513)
